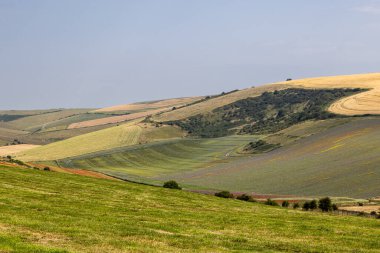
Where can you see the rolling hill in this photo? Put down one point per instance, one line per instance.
(282, 138)
(44, 211)
(316, 158)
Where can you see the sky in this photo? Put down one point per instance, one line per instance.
(91, 54)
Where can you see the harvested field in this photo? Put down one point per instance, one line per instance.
(363, 103)
(213, 103)
(365, 209)
(115, 119)
(150, 105)
(13, 149)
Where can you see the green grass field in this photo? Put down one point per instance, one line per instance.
(143, 163)
(55, 212)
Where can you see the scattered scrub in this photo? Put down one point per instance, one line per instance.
(270, 202)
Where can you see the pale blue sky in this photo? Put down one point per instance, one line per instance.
(97, 53)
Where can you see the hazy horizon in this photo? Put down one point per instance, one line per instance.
(91, 54)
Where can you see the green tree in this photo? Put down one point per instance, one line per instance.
(325, 204)
(285, 203)
(313, 204)
(306, 206)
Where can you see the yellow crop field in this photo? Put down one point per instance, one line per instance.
(211, 104)
(128, 134)
(12, 149)
(363, 103)
(150, 105)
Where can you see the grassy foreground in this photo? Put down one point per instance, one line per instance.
(53, 212)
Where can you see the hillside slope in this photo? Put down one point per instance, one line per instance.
(210, 104)
(335, 157)
(55, 212)
(340, 161)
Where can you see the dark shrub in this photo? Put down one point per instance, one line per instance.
(244, 197)
(306, 206)
(325, 204)
(334, 207)
(296, 205)
(270, 202)
(313, 204)
(46, 169)
(373, 213)
(360, 204)
(285, 203)
(172, 185)
(224, 194)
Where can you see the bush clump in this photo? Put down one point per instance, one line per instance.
(296, 205)
(285, 203)
(313, 204)
(224, 194)
(306, 206)
(270, 202)
(245, 197)
(172, 185)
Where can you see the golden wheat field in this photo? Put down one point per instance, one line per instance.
(367, 102)
(12, 149)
